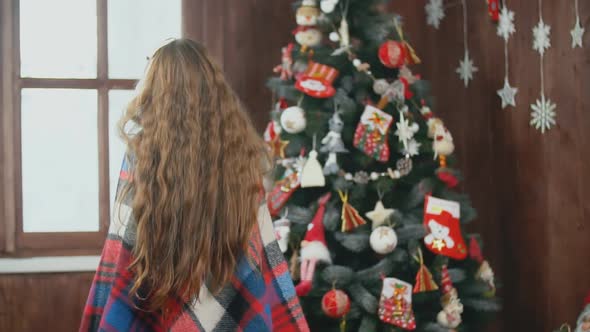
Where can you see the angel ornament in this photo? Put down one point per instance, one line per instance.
(332, 144)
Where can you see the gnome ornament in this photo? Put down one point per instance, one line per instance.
(313, 248)
(282, 229)
(395, 304)
(450, 316)
(583, 323)
(332, 143)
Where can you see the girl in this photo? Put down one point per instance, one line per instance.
(191, 244)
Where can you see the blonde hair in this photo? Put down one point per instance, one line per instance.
(196, 176)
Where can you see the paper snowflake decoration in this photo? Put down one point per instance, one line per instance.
(543, 114)
(541, 41)
(507, 94)
(577, 34)
(434, 13)
(413, 148)
(506, 24)
(404, 131)
(466, 69)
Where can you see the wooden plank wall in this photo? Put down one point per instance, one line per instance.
(48, 302)
(530, 189)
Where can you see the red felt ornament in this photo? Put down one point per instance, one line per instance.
(317, 81)
(393, 54)
(351, 219)
(281, 193)
(494, 10)
(335, 303)
(441, 218)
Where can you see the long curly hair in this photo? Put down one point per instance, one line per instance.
(197, 171)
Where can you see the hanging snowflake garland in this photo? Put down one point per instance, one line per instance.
(466, 69)
(543, 115)
(505, 30)
(543, 111)
(435, 12)
(578, 31)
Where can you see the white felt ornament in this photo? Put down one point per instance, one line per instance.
(282, 228)
(293, 120)
(383, 240)
(312, 174)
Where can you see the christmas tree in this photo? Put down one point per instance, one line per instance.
(363, 200)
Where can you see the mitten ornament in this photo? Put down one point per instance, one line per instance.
(281, 193)
(395, 304)
(424, 280)
(351, 218)
(371, 133)
(441, 217)
(450, 316)
(313, 248)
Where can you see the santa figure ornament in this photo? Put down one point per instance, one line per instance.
(282, 229)
(395, 304)
(450, 316)
(371, 133)
(441, 218)
(285, 69)
(313, 248)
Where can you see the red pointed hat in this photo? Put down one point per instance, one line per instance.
(315, 229)
(447, 284)
(317, 81)
(587, 299)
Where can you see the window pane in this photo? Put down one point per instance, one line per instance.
(58, 38)
(136, 29)
(60, 160)
(118, 100)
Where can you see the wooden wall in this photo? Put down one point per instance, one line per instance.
(530, 189)
(48, 302)
(246, 37)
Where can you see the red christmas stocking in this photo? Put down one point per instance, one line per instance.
(281, 193)
(395, 305)
(371, 133)
(441, 218)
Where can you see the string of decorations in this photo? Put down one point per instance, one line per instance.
(506, 29)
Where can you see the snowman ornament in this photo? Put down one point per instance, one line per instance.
(306, 34)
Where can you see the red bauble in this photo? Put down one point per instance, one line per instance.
(393, 54)
(335, 303)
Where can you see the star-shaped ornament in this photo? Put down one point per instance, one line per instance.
(434, 13)
(277, 146)
(541, 41)
(507, 94)
(379, 214)
(577, 34)
(404, 131)
(543, 115)
(438, 244)
(466, 69)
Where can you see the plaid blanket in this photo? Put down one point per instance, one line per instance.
(260, 297)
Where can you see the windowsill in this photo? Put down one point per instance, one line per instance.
(49, 264)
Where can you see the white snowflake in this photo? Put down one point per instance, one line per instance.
(466, 69)
(404, 131)
(543, 114)
(506, 25)
(434, 13)
(413, 148)
(507, 94)
(541, 41)
(577, 34)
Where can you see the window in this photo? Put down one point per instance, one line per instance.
(69, 68)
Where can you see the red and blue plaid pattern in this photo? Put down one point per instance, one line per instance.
(260, 297)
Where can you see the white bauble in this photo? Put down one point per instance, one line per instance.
(383, 240)
(293, 120)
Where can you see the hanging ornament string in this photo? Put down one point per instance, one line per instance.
(505, 30)
(543, 111)
(466, 67)
(578, 31)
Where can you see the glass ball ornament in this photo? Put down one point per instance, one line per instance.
(383, 240)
